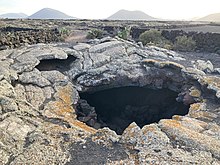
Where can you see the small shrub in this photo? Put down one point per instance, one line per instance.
(64, 32)
(151, 36)
(125, 33)
(94, 33)
(154, 37)
(184, 43)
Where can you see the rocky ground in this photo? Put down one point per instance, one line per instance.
(39, 93)
(18, 32)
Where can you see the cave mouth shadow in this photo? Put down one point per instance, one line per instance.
(61, 65)
(116, 108)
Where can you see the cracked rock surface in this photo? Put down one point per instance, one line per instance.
(39, 92)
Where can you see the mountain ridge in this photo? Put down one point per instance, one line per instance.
(48, 13)
(215, 17)
(130, 15)
(13, 15)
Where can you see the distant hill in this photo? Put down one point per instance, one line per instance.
(13, 15)
(211, 18)
(48, 13)
(193, 19)
(130, 15)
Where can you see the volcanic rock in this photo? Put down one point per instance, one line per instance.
(46, 116)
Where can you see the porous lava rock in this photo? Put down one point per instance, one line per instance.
(40, 94)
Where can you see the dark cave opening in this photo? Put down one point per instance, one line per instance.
(116, 108)
(61, 65)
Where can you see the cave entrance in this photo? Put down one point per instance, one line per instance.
(116, 108)
(61, 65)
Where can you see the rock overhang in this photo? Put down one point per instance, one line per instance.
(130, 69)
(125, 66)
(128, 65)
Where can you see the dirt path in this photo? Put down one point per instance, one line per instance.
(76, 36)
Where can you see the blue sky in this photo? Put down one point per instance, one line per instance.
(97, 9)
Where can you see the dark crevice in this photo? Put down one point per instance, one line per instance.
(55, 121)
(10, 160)
(118, 107)
(61, 65)
(28, 141)
(78, 75)
(46, 101)
(58, 122)
(14, 83)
